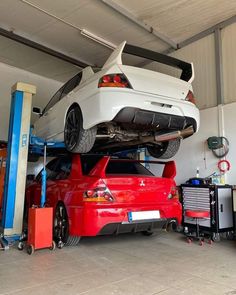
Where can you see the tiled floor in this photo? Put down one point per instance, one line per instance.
(127, 264)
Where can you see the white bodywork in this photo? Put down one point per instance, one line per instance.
(151, 91)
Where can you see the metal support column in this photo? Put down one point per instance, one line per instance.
(219, 67)
(17, 154)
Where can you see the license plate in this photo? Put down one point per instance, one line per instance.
(143, 215)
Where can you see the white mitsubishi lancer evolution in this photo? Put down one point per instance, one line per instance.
(123, 107)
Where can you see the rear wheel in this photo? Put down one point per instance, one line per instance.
(73, 241)
(77, 139)
(165, 150)
(61, 228)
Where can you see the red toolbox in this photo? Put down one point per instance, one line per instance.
(40, 225)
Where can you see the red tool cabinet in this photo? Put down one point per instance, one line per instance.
(40, 224)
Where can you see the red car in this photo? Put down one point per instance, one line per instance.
(97, 195)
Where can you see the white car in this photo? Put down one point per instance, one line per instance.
(123, 107)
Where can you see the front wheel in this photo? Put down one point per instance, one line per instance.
(77, 139)
(164, 150)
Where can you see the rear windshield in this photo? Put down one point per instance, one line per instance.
(120, 167)
(88, 163)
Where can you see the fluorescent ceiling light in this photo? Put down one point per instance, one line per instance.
(97, 39)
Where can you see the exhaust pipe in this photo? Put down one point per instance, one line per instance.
(171, 225)
(174, 135)
(152, 139)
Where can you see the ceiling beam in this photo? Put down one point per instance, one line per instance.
(140, 23)
(196, 37)
(42, 48)
(208, 31)
(204, 33)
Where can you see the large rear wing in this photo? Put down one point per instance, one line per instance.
(187, 68)
(169, 170)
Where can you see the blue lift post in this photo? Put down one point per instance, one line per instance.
(17, 154)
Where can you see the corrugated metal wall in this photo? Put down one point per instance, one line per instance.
(229, 62)
(202, 54)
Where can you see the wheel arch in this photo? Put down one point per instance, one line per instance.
(73, 105)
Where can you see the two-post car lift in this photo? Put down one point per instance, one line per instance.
(20, 141)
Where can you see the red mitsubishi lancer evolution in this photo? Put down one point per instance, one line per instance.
(97, 195)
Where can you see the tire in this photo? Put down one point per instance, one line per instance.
(73, 241)
(77, 139)
(61, 228)
(166, 150)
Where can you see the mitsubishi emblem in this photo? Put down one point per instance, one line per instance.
(142, 183)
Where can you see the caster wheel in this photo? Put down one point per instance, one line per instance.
(30, 249)
(201, 243)
(216, 237)
(20, 246)
(60, 245)
(210, 242)
(189, 241)
(53, 247)
(230, 235)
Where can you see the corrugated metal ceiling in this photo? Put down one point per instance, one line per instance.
(178, 20)
(181, 19)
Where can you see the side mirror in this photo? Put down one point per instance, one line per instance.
(37, 111)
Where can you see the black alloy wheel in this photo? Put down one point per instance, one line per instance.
(61, 226)
(72, 129)
(76, 138)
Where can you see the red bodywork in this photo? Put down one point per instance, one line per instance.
(130, 193)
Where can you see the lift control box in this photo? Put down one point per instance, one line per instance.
(40, 224)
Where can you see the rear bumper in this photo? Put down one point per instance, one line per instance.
(95, 112)
(96, 219)
(127, 227)
(154, 119)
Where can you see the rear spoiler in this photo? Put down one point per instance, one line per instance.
(169, 170)
(187, 68)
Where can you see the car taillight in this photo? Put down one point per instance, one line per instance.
(114, 80)
(100, 193)
(190, 97)
(174, 194)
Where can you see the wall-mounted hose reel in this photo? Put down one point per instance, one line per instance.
(219, 145)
